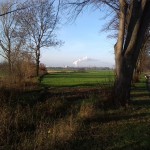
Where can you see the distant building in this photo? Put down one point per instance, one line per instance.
(66, 66)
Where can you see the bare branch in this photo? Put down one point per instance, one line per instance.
(15, 10)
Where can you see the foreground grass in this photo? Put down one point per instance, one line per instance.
(41, 122)
(78, 118)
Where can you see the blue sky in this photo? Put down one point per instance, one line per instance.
(82, 38)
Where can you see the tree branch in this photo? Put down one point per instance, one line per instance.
(18, 9)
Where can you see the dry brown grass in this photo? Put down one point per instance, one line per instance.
(87, 110)
(12, 82)
(51, 135)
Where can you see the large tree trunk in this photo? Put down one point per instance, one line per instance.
(123, 81)
(127, 49)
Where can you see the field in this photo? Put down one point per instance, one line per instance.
(73, 111)
(78, 79)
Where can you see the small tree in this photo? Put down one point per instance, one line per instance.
(39, 22)
(42, 69)
(10, 41)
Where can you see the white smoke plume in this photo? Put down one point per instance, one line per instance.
(83, 59)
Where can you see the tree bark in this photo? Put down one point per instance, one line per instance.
(120, 42)
(123, 83)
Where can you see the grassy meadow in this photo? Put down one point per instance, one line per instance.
(73, 111)
(78, 79)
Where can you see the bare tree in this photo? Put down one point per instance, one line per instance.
(9, 42)
(134, 20)
(40, 23)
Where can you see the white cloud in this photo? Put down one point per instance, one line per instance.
(83, 59)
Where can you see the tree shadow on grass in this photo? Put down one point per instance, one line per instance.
(88, 137)
(15, 97)
(92, 85)
(81, 138)
(114, 118)
(141, 103)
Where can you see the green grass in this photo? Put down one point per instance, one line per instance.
(71, 79)
(2, 74)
